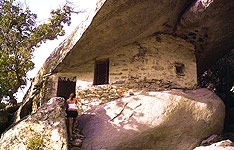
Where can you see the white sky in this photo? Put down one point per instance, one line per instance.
(42, 8)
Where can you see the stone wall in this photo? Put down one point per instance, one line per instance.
(154, 60)
(45, 129)
(154, 64)
(161, 59)
(97, 95)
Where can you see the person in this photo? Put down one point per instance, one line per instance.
(72, 113)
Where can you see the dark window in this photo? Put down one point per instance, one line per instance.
(65, 87)
(179, 69)
(101, 74)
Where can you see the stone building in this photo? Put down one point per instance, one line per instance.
(134, 45)
(138, 48)
(153, 61)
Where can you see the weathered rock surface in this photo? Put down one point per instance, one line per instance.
(77, 141)
(207, 24)
(222, 145)
(154, 120)
(44, 129)
(211, 140)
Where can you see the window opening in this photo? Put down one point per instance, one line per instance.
(101, 72)
(180, 69)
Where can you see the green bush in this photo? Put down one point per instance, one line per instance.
(35, 143)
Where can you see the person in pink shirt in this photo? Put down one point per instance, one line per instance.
(72, 113)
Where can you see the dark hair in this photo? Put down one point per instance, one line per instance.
(72, 95)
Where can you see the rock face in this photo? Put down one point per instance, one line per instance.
(154, 120)
(222, 145)
(207, 24)
(44, 129)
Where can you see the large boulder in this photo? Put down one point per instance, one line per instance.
(45, 129)
(175, 120)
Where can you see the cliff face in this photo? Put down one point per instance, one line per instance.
(207, 24)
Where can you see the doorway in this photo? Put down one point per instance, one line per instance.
(66, 86)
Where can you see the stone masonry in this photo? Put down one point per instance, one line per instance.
(155, 63)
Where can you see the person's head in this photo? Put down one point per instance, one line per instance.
(72, 95)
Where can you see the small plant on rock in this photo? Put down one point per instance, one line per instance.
(35, 143)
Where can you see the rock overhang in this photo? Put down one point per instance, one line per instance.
(119, 23)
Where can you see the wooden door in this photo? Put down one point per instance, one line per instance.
(101, 75)
(65, 88)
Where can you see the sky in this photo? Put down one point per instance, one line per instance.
(42, 8)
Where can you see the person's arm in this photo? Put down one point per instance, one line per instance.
(66, 105)
(78, 101)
